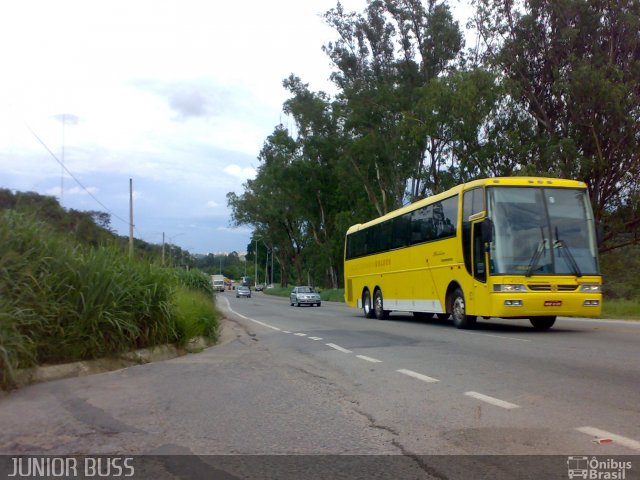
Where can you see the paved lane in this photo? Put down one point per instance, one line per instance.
(501, 388)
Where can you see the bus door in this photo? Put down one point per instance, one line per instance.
(480, 294)
(473, 215)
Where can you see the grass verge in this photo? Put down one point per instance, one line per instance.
(621, 309)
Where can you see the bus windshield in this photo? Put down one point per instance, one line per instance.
(541, 231)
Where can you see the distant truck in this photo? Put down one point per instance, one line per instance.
(218, 282)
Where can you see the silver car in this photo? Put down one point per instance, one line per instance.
(304, 296)
(243, 291)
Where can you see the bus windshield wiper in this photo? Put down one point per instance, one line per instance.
(563, 247)
(541, 249)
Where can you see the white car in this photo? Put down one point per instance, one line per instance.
(304, 296)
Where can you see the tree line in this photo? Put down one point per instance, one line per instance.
(548, 88)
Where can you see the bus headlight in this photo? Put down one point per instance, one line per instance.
(509, 287)
(591, 288)
(591, 303)
(513, 303)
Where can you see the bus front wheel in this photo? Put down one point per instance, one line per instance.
(366, 304)
(378, 306)
(458, 311)
(542, 323)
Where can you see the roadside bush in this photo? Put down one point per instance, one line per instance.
(195, 280)
(196, 316)
(60, 301)
(620, 269)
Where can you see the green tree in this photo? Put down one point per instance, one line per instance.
(384, 59)
(271, 205)
(573, 66)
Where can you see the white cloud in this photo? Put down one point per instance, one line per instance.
(237, 171)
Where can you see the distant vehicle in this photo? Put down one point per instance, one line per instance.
(218, 282)
(243, 291)
(304, 296)
(259, 287)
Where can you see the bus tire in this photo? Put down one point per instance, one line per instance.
(458, 311)
(366, 304)
(542, 323)
(378, 306)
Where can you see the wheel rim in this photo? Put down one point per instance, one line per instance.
(378, 304)
(458, 308)
(367, 303)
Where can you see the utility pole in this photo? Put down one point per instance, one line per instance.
(130, 218)
(64, 119)
(255, 279)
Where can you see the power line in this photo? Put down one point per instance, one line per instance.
(73, 176)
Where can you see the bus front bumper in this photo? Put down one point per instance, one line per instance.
(542, 304)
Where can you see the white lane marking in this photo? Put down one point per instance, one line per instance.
(338, 347)
(624, 441)
(300, 334)
(417, 375)
(286, 331)
(495, 336)
(493, 401)
(369, 359)
(315, 338)
(252, 319)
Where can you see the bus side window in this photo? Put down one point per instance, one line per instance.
(472, 203)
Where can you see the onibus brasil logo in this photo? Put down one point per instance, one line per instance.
(596, 469)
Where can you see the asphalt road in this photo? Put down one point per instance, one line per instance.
(329, 383)
(502, 388)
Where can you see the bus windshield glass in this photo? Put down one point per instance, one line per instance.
(541, 231)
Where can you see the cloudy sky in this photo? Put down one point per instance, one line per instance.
(178, 95)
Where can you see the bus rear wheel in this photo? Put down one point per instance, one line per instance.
(542, 323)
(366, 304)
(457, 309)
(378, 306)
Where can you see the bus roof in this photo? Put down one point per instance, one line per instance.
(504, 181)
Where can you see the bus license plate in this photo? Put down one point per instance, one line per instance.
(553, 303)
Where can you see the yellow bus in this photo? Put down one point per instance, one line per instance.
(512, 247)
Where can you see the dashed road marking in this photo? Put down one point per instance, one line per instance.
(300, 334)
(338, 347)
(493, 401)
(315, 338)
(624, 441)
(369, 359)
(417, 375)
(286, 331)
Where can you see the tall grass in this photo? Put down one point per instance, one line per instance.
(195, 280)
(60, 301)
(196, 316)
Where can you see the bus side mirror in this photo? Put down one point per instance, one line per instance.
(486, 227)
